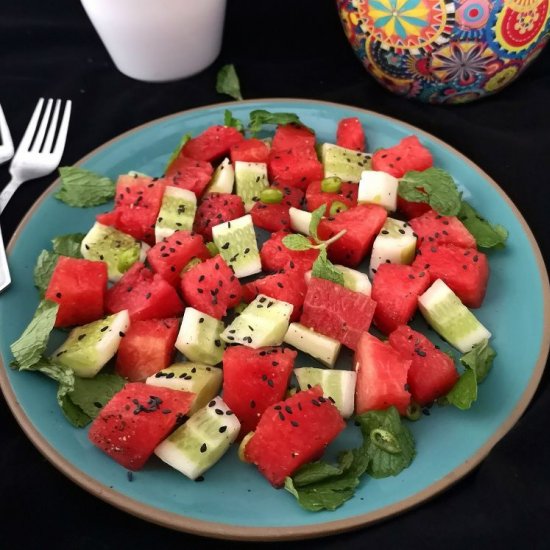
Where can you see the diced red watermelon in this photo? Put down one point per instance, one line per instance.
(395, 289)
(136, 420)
(169, 256)
(315, 197)
(289, 286)
(432, 373)
(432, 227)
(216, 208)
(213, 143)
(350, 134)
(254, 379)
(108, 218)
(464, 270)
(250, 150)
(381, 376)
(137, 203)
(211, 287)
(290, 136)
(292, 433)
(276, 256)
(144, 294)
(336, 311)
(294, 167)
(79, 287)
(409, 154)
(275, 217)
(362, 223)
(187, 173)
(411, 209)
(147, 347)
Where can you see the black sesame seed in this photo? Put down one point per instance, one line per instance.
(203, 448)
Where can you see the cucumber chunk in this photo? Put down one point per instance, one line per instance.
(299, 220)
(250, 181)
(199, 337)
(89, 347)
(338, 385)
(202, 380)
(236, 241)
(263, 322)
(378, 188)
(177, 212)
(320, 347)
(197, 445)
(353, 279)
(223, 178)
(346, 164)
(452, 320)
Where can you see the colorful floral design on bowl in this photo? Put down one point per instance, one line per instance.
(446, 51)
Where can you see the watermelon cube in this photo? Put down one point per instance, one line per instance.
(292, 433)
(214, 143)
(254, 379)
(276, 256)
(216, 208)
(250, 150)
(350, 134)
(336, 311)
(433, 228)
(315, 196)
(136, 420)
(146, 348)
(188, 173)
(79, 287)
(409, 154)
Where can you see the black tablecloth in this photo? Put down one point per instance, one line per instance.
(289, 48)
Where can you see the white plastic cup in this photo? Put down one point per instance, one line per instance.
(159, 40)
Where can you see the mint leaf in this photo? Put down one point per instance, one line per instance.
(327, 487)
(74, 414)
(259, 117)
(232, 122)
(440, 190)
(324, 269)
(92, 394)
(479, 359)
(127, 259)
(485, 234)
(464, 392)
(68, 245)
(316, 217)
(297, 242)
(83, 188)
(174, 154)
(29, 347)
(227, 82)
(43, 269)
(384, 463)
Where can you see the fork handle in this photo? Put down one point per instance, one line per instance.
(5, 277)
(8, 192)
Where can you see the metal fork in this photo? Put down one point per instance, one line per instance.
(38, 154)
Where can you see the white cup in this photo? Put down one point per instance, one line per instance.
(159, 40)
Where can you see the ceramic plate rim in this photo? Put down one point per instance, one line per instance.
(241, 532)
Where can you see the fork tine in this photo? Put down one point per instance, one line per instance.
(31, 127)
(39, 138)
(53, 126)
(63, 129)
(5, 132)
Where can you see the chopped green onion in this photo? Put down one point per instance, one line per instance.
(414, 411)
(331, 185)
(212, 248)
(336, 207)
(271, 196)
(385, 440)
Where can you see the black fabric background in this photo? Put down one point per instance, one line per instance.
(288, 48)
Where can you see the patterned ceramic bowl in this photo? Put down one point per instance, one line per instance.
(446, 51)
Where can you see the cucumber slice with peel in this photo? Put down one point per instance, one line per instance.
(106, 244)
(203, 380)
(320, 347)
(378, 188)
(395, 244)
(263, 322)
(223, 178)
(197, 445)
(199, 337)
(89, 347)
(250, 181)
(450, 318)
(346, 164)
(338, 385)
(177, 212)
(236, 241)
(353, 279)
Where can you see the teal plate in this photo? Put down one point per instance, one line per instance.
(234, 501)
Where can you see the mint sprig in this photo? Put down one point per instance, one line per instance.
(227, 82)
(82, 188)
(43, 270)
(322, 268)
(486, 234)
(68, 245)
(261, 117)
(231, 121)
(434, 186)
